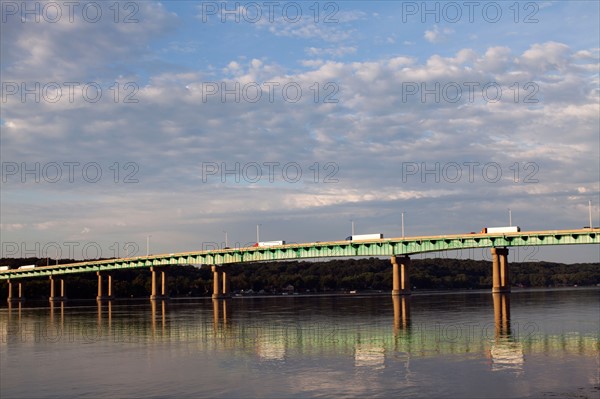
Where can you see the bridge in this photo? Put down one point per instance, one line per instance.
(398, 249)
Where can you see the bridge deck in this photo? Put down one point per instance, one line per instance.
(332, 249)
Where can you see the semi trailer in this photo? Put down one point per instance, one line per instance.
(494, 230)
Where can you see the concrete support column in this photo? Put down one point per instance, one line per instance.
(500, 271)
(504, 271)
(495, 270)
(163, 284)
(217, 285)
(153, 293)
(109, 290)
(405, 276)
(226, 283)
(11, 297)
(53, 296)
(400, 275)
(99, 296)
(51, 288)
(395, 277)
(109, 287)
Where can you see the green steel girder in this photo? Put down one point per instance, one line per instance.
(334, 249)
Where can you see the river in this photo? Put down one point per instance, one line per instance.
(531, 343)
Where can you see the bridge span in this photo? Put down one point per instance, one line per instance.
(398, 249)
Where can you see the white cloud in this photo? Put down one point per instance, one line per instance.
(12, 226)
(357, 120)
(44, 51)
(312, 63)
(545, 57)
(437, 35)
(333, 51)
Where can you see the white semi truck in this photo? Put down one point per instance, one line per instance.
(495, 230)
(362, 237)
(269, 243)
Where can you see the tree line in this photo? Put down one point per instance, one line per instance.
(301, 276)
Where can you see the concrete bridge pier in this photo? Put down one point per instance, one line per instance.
(221, 282)
(53, 296)
(11, 298)
(401, 275)
(163, 286)
(101, 296)
(500, 270)
(226, 283)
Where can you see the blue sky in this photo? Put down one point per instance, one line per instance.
(299, 124)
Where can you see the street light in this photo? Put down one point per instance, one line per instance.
(258, 233)
(352, 221)
(403, 224)
(148, 245)
(226, 244)
(509, 217)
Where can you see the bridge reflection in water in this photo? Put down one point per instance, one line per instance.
(401, 313)
(262, 329)
(506, 353)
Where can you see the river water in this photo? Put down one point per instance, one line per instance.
(539, 343)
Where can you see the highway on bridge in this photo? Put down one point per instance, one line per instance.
(402, 246)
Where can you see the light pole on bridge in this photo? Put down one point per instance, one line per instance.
(148, 245)
(403, 224)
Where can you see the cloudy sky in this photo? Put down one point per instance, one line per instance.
(186, 121)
